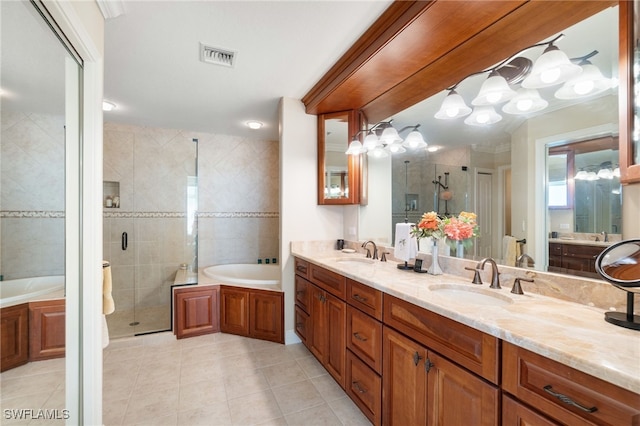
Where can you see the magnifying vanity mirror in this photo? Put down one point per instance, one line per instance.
(519, 174)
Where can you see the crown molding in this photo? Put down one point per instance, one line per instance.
(111, 8)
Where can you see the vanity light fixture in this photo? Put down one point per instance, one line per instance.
(255, 125)
(108, 106)
(388, 142)
(553, 67)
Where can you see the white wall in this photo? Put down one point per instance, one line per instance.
(300, 216)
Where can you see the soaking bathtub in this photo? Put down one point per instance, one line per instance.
(14, 292)
(242, 275)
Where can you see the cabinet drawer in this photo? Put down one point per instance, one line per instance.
(516, 414)
(330, 281)
(568, 395)
(555, 249)
(302, 268)
(365, 298)
(302, 323)
(471, 348)
(302, 293)
(364, 387)
(364, 338)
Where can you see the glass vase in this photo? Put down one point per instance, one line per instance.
(459, 249)
(434, 269)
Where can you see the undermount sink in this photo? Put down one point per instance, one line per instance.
(355, 260)
(470, 295)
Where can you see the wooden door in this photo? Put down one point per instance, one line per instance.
(234, 310)
(336, 319)
(46, 329)
(404, 395)
(457, 397)
(14, 334)
(317, 332)
(265, 315)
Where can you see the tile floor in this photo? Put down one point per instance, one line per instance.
(217, 379)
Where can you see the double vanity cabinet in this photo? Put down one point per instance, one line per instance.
(403, 364)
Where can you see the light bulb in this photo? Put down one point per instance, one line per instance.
(550, 75)
(583, 87)
(524, 104)
(482, 118)
(452, 112)
(494, 98)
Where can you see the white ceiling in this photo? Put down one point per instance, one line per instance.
(154, 75)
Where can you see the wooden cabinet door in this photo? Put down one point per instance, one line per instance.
(302, 325)
(14, 335)
(196, 311)
(335, 317)
(404, 395)
(516, 414)
(303, 293)
(266, 315)
(364, 337)
(457, 397)
(46, 329)
(317, 332)
(234, 310)
(364, 387)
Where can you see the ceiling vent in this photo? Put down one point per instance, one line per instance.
(215, 55)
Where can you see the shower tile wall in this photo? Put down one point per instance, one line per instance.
(238, 218)
(32, 201)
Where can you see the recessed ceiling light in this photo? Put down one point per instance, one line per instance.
(108, 106)
(433, 148)
(254, 124)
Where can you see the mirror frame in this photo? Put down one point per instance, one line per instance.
(629, 171)
(354, 162)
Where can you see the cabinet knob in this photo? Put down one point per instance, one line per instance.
(416, 358)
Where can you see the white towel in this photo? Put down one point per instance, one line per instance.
(105, 332)
(509, 250)
(406, 245)
(108, 305)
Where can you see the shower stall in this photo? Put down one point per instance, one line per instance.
(150, 197)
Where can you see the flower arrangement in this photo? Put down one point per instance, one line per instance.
(455, 228)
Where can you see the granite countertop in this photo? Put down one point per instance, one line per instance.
(570, 333)
(579, 242)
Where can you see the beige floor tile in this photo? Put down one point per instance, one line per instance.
(118, 381)
(253, 409)
(121, 355)
(33, 384)
(33, 401)
(32, 368)
(348, 413)
(297, 396)
(198, 353)
(144, 407)
(113, 411)
(200, 394)
(244, 383)
(311, 366)
(156, 380)
(298, 350)
(194, 371)
(285, 373)
(166, 420)
(258, 345)
(328, 387)
(274, 422)
(214, 414)
(272, 355)
(319, 415)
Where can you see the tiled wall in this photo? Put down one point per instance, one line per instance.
(237, 205)
(32, 195)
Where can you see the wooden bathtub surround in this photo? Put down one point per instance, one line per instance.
(230, 309)
(403, 364)
(32, 331)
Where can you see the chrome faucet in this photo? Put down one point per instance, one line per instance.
(605, 236)
(375, 249)
(522, 258)
(495, 281)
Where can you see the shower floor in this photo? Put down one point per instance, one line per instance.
(150, 319)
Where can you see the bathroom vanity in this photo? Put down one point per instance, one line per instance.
(419, 349)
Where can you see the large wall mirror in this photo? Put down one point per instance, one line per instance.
(517, 174)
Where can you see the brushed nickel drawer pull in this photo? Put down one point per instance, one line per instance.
(359, 337)
(548, 389)
(360, 298)
(359, 388)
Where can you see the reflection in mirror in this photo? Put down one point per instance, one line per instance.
(503, 169)
(40, 85)
(336, 183)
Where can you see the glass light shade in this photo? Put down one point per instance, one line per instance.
(526, 101)
(483, 116)
(616, 172)
(396, 148)
(581, 175)
(588, 83)
(605, 174)
(591, 176)
(453, 106)
(108, 106)
(355, 148)
(378, 152)
(414, 140)
(493, 91)
(371, 142)
(390, 135)
(552, 67)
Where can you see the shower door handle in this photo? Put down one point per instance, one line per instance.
(125, 240)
